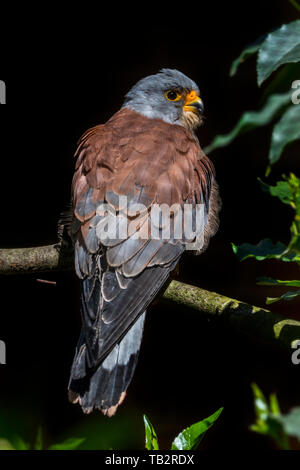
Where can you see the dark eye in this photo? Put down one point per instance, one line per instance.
(173, 95)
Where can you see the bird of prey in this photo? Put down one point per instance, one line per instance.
(145, 156)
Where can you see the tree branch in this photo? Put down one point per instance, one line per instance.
(255, 322)
(38, 259)
(258, 323)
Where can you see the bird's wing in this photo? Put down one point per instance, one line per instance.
(150, 162)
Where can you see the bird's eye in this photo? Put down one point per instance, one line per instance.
(173, 95)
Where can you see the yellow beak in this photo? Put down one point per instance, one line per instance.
(193, 103)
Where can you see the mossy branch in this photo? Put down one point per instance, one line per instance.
(257, 323)
(58, 257)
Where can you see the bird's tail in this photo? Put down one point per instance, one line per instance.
(105, 388)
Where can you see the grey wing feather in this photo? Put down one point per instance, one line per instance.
(104, 388)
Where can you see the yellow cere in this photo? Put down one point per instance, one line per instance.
(192, 96)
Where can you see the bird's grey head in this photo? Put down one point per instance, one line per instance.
(168, 95)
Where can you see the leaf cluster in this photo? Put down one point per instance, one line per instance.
(17, 443)
(188, 439)
(270, 422)
(278, 50)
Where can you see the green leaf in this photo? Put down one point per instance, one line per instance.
(19, 444)
(69, 444)
(290, 295)
(282, 190)
(295, 4)
(285, 131)
(280, 47)
(274, 405)
(282, 81)
(267, 420)
(252, 119)
(247, 52)
(291, 422)
(295, 241)
(39, 440)
(288, 191)
(151, 442)
(6, 445)
(269, 281)
(190, 438)
(265, 249)
(260, 403)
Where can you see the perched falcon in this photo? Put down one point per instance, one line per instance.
(146, 156)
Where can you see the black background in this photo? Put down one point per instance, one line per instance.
(65, 72)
